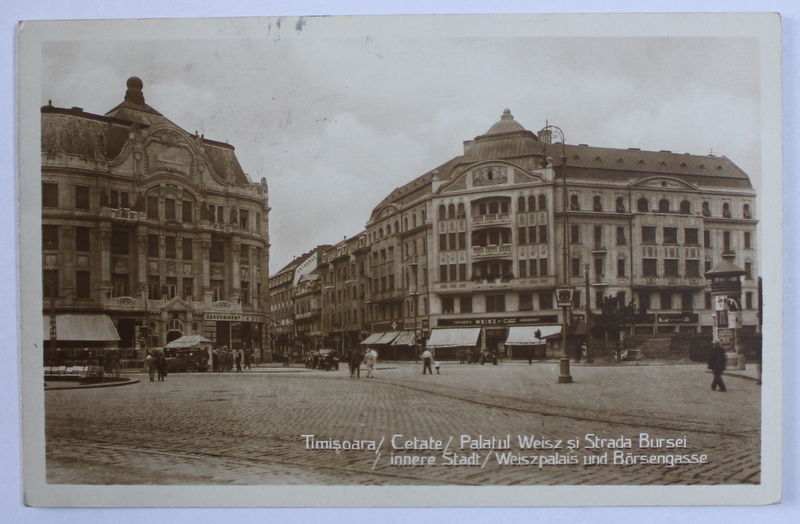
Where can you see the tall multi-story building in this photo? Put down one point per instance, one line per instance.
(156, 228)
(478, 245)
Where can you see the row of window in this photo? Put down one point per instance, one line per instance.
(121, 199)
(381, 232)
(664, 206)
(529, 204)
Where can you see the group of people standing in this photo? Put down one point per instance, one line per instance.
(156, 363)
(223, 359)
(369, 358)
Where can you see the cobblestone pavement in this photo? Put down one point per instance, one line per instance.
(247, 428)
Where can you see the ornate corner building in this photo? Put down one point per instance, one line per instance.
(159, 229)
(481, 242)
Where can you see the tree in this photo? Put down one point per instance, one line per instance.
(614, 316)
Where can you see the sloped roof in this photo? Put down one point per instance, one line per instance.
(506, 139)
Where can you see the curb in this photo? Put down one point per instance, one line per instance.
(92, 386)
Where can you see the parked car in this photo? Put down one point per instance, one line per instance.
(189, 360)
(476, 356)
(326, 359)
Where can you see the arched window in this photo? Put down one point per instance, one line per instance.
(620, 205)
(726, 210)
(532, 203)
(542, 202)
(574, 203)
(451, 211)
(442, 212)
(380, 233)
(521, 205)
(686, 207)
(706, 209)
(642, 205)
(388, 229)
(663, 206)
(414, 220)
(746, 211)
(461, 213)
(598, 203)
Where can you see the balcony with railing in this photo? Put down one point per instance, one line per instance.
(491, 250)
(491, 219)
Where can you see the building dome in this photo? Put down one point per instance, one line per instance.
(506, 139)
(507, 124)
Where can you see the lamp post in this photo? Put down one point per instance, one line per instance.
(589, 353)
(564, 292)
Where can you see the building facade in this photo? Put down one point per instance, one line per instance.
(159, 229)
(483, 241)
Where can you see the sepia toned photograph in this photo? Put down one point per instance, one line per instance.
(528, 258)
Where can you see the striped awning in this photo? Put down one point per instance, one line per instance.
(444, 337)
(405, 338)
(526, 335)
(372, 339)
(82, 328)
(388, 337)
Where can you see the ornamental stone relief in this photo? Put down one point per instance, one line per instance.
(489, 176)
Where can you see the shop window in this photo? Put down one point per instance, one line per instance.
(81, 197)
(50, 238)
(49, 194)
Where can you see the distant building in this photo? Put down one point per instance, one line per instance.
(157, 228)
(477, 246)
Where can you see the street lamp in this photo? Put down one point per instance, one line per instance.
(549, 135)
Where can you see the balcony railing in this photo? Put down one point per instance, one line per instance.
(492, 218)
(504, 249)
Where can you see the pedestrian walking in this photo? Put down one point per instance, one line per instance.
(150, 366)
(239, 361)
(370, 359)
(247, 359)
(215, 360)
(436, 365)
(162, 367)
(426, 361)
(716, 363)
(355, 363)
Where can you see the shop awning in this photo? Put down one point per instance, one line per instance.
(88, 328)
(388, 337)
(372, 339)
(526, 335)
(405, 338)
(443, 337)
(188, 341)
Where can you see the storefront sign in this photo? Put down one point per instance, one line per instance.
(726, 338)
(498, 321)
(677, 318)
(233, 317)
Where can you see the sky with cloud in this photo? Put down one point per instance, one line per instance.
(335, 120)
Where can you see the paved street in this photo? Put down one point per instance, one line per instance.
(247, 428)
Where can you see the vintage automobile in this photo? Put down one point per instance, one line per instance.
(476, 356)
(326, 359)
(190, 360)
